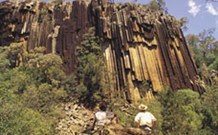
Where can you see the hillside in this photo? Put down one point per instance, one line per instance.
(140, 45)
(60, 60)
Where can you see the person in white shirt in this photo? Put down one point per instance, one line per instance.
(102, 117)
(144, 119)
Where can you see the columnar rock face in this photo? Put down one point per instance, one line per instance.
(141, 46)
(59, 28)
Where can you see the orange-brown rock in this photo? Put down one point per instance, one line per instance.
(143, 45)
(140, 45)
(59, 28)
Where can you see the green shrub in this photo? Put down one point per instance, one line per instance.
(181, 112)
(16, 119)
(155, 107)
(89, 69)
(32, 87)
(210, 109)
(126, 116)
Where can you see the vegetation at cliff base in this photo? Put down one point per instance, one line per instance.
(36, 92)
(90, 69)
(31, 88)
(33, 85)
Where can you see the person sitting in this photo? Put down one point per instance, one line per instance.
(145, 120)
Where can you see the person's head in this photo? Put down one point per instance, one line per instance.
(103, 107)
(142, 107)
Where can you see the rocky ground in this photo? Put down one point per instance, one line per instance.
(79, 119)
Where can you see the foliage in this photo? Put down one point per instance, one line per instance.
(125, 118)
(177, 112)
(157, 5)
(42, 98)
(4, 62)
(155, 107)
(32, 86)
(44, 67)
(214, 64)
(90, 67)
(204, 49)
(210, 107)
(126, 112)
(18, 119)
(181, 112)
(183, 23)
(144, 87)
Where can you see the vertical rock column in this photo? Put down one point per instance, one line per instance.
(58, 28)
(142, 46)
(144, 49)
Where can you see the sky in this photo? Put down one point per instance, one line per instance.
(201, 14)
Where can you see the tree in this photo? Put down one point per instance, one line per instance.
(156, 108)
(210, 109)
(158, 5)
(183, 23)
(32, 87)
(44, 68)
(204, 48)
(16, 118)
(181, 112)
(214, 64)
(89, 68)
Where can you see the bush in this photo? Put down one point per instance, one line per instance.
(20, 120)
(155, 107)
(126, 118)
(210, 109)
(32, 87)
(181, 112)
(89, 69)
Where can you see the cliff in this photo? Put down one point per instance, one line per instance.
(144, 50)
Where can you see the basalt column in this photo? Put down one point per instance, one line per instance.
(143, 46)
(144, 50)
(58, 28)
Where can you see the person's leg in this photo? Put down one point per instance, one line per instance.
(147, 129)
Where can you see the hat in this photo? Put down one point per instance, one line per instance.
(142, 107)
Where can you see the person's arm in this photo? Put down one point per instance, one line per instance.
(115, 119)
(153, 120)
(137, 120)
(154, 123)
(93, 125)
(110, 115)
(136, 124)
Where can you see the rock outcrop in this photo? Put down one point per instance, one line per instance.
(141, 46)
(76, 119)
(59, 28)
